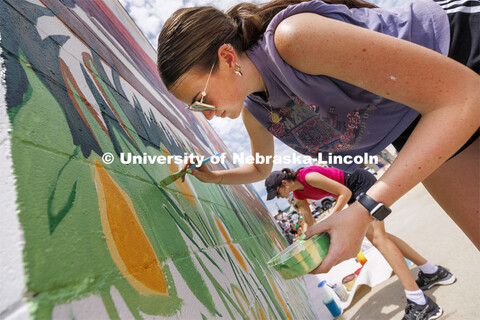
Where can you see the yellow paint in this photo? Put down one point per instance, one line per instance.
(260, 313)
(361, 258)
(301, 261)
(129, 246)
(183, 187)
(235, 252)
(349, 284)
(279, 298)
(314, 254)
(242, 301)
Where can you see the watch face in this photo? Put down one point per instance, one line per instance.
(380, 212)
(377, 210)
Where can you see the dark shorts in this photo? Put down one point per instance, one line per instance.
(359, 181)
(402, 139)
(464, 17)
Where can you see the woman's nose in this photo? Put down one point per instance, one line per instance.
(209, 114)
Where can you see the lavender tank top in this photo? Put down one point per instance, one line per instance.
(323, 114)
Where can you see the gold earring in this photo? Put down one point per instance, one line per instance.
(238, 70)
(229, 47)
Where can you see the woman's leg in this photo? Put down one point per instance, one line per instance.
(456, 184)
(378, 237)
(407, 251)
(456, 188)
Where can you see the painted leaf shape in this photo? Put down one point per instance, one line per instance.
(129, 246)
(234, 250)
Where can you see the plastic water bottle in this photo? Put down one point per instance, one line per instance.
(328, 300)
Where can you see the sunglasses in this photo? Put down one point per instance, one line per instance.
(200, 106)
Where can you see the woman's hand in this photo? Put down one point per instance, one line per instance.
(262, 145)
(347, 228)
(206, 175)
(202, 173)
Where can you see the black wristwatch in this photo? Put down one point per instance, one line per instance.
(377, 210)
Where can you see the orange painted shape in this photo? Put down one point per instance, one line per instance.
(279, 298)
(129, 246)
(235, 252)
(269, 237)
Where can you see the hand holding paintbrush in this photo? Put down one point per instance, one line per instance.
(186, 169)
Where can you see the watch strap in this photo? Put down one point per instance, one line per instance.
(377, 210)
(367, 202)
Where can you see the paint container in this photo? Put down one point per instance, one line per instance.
(332, 306)
(349, 280)
(357, 272)
(328, 300)
(361, 258)
(340, 291)
(302, 256)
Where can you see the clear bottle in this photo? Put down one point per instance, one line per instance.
(328, 300)
(340, 291)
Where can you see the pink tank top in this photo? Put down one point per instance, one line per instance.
(314, 193)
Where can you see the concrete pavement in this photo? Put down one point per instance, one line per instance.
(420, 221)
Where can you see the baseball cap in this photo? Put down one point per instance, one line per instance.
(272, 183)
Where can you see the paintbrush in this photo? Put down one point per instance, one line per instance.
(177, 175)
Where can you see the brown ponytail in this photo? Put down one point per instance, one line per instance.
(290, 175)
(253, 20)
(192, 36)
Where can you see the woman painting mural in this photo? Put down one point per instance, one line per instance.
(343, 77)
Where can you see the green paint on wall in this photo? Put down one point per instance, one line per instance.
(109, 305)
(65, 253)
(54, 219)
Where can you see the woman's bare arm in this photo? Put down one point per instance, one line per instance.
(261, 142)
(319, 181)
(445, 92)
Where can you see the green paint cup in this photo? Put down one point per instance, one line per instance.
(302, 256)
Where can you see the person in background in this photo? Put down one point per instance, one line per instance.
(280, 217)
(315, 182)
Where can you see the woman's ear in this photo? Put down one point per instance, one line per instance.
(227, 55)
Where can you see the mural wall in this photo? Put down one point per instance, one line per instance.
(89, 240)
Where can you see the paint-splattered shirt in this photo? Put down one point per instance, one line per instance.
(323, 114)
